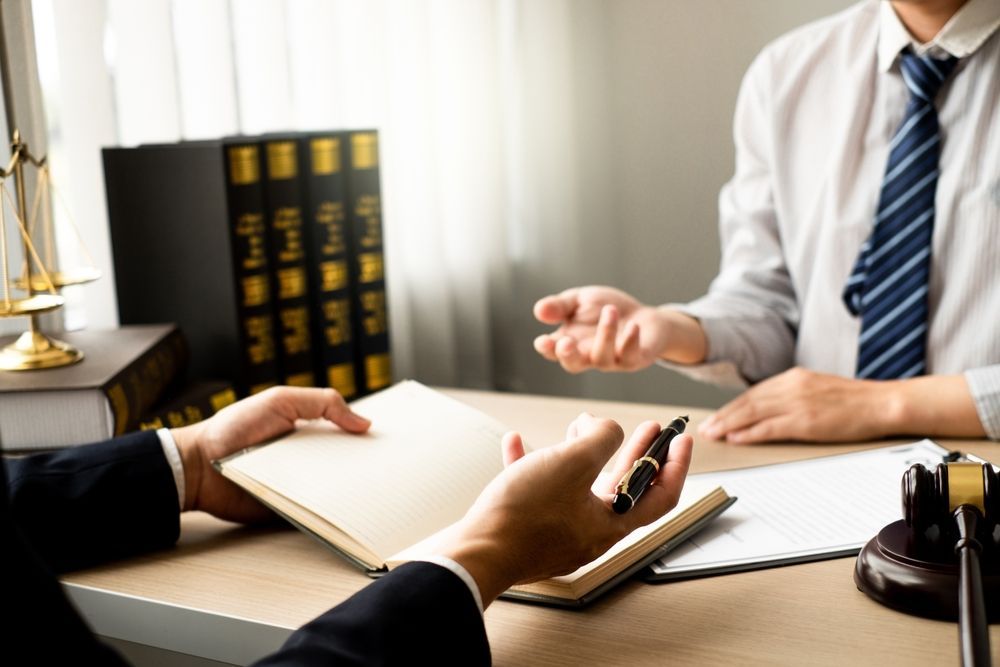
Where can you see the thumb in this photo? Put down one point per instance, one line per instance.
(513, 448)
(558, 308)
(596, 441)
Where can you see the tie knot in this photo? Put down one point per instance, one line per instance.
(924, 75)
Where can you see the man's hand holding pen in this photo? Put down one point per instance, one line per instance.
(550, 511)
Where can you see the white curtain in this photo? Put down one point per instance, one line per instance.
(492, 122)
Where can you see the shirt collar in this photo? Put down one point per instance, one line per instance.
(961, 36)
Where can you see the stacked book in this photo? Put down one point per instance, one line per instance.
(125, 373)
(266, 251)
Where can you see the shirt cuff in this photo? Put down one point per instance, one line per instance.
(461, 573)
(984, 385)
(176, 466)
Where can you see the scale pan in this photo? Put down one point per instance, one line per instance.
(32, 305)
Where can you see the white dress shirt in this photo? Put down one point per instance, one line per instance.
(177, 468)
(815, 115)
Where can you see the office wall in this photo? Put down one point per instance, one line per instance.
(620, 137)
(672, 69)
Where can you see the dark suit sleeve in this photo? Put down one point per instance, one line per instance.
(86, 505)
(418, 614)
(71, 509)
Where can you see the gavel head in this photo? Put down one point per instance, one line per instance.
(930, 497)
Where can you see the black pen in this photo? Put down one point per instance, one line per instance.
(645, 469)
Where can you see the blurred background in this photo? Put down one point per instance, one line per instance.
(526, 145)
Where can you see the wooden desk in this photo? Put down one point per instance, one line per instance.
(232, 594)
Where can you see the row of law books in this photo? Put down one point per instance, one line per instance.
(266, 251)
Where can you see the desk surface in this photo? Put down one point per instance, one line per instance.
(230, 593)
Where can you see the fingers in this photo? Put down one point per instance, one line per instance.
(629, 354)
(610, 347)
(783, 427)
(663, 494)
(557, 308)
(314, 403)
(595, 442)
(570, 357)
(545, 345)
(571, 431)
(640, 440)
(513, 448)
(602, 352)
(750, 408)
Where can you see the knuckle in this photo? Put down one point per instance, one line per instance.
(799, 376)
(332, 395)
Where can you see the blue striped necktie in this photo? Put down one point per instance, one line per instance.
(888, 286)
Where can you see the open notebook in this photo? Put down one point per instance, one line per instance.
(374, 498)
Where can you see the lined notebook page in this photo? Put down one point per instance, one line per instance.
(420, 467)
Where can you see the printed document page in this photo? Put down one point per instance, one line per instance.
(799, 511)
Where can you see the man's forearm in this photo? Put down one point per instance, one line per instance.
(686, 341)
(932, 405)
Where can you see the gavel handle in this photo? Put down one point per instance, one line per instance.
(973, 629)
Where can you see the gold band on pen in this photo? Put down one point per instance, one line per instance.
(623, 485)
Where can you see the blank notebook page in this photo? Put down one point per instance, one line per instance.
(423, 463)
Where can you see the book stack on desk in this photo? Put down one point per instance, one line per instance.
(267, 251)
(123, 373)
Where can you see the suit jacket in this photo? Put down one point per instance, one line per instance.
(94, 503)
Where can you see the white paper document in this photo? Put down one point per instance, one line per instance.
(799, 511)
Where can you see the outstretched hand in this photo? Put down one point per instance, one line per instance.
(549, 512)
(606, 329)
(248, 422)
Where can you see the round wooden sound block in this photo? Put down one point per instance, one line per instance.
(919, 579)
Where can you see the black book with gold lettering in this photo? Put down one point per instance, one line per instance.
(190, 243)
(366, 261)
(324, 196)
(195, 402)
(285, 220)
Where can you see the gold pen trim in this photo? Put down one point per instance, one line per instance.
(623, 484)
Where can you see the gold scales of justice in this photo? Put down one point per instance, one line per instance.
(37, 285)
(36, 290)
